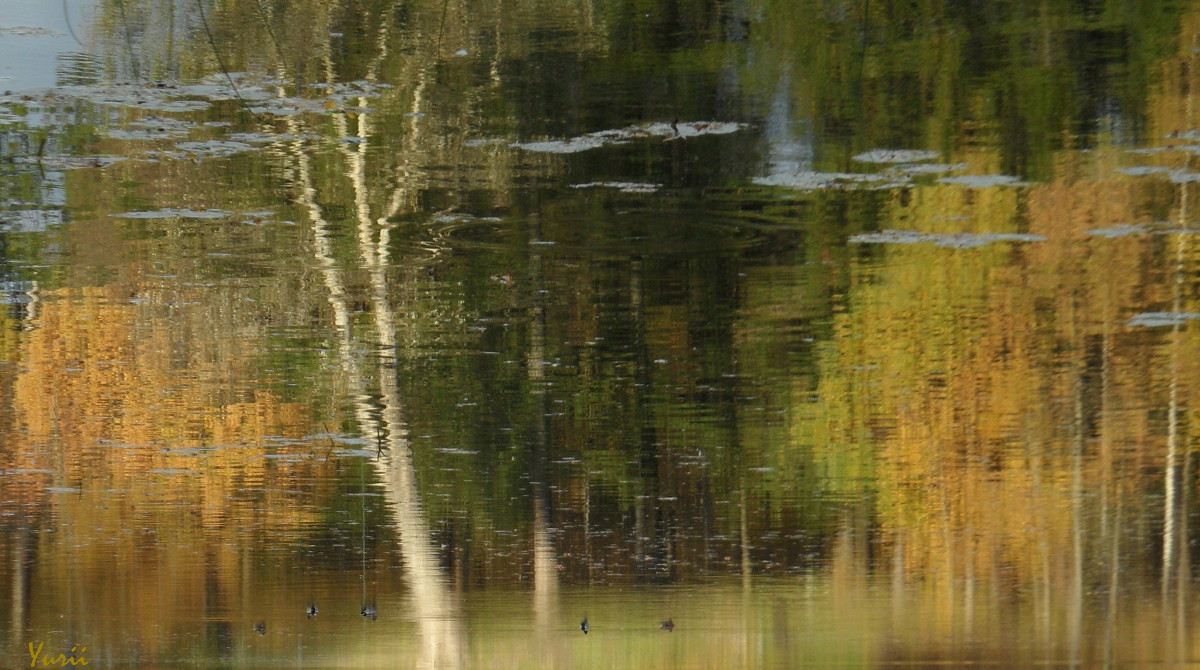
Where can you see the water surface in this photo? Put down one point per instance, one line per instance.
(834, 335)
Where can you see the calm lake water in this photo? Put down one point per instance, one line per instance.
(752, 333)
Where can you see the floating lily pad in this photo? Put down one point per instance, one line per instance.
(171, 212)
(622, 186)
(983, 180)
(694, 128)
(624, 135)
(1119, 230)
(573, 145)
(1159, 319)
(1183, 176)
(895, 156)
(1142, 170)
(929, 168)
(813, 181)
(952, 240)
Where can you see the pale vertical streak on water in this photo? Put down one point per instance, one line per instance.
(1175, 549)
(545, 560)
(434, 606)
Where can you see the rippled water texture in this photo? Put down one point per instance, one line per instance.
(693, 334)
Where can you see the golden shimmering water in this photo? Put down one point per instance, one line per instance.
(753, 334)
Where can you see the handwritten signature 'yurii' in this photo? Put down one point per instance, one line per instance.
(60, 660)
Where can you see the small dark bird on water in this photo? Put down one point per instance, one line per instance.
(667, 625)
(311, 611)
(584, 626)
(261, 628)
(369, 611)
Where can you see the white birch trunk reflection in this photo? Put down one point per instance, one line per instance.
(1172, 537)
(433, 605)
(545, 561)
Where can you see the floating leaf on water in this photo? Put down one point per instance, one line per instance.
(968, 240)
(622, 186)
(457, 451)
(983, 180)
(1119, 230)
(694, 128)
(929, 168)
(1184, 176)
(895, 156)
(890, 237)
(1159, 319)
(1149, 228)
(623, 135)
(570, 146)
(171, 212)
(951, 240)
(1142, 170)
(813, 181)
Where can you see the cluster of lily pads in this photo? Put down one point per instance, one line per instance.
(883, 168)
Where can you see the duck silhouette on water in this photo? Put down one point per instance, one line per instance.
(369, 612)
(584, 626)
(311, 611)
